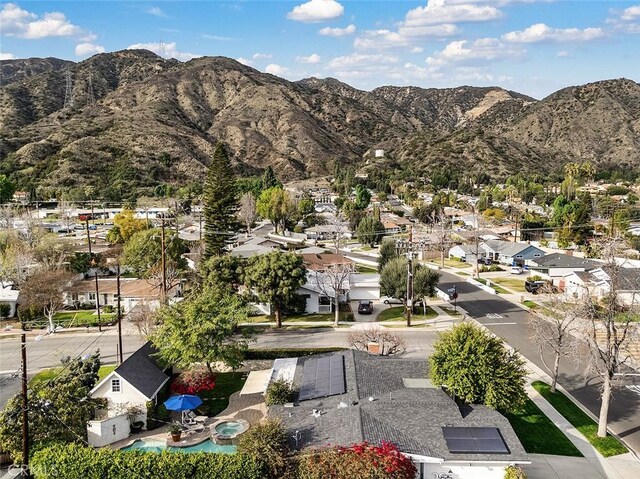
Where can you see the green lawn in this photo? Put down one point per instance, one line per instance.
(511, 283)
(607, 446)
(530, 304)
(48, 374)
(82, 318)
(499, 289)
(450, 311)
(538, 434)
(451, 263)
(217, 400)
(298, 318)
(397, 314)
(361, 268)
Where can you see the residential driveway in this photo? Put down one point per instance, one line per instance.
(367, 318)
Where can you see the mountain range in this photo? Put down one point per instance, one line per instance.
(134, 119)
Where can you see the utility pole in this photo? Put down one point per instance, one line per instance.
(164, 263)
(410, 278)
(25, 407)
(119, 310)
(93, 263)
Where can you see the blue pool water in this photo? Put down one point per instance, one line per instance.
(230, 428)
(156, 446)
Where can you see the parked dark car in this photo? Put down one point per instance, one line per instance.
(365, 307)
(485, 261)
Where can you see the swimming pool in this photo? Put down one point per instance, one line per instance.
(149, 445)
(231, 428)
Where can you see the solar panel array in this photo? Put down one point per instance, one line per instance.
(323, 377)
(475, 440)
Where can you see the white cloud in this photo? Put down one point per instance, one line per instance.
(479, 52)
(417, 50)
(316, 11)
(631, 14)
(84, 49)
(361, 60)
(276, 69)
(166, 50)
(379, 39)
(244, 61)
(262, 56)
(218, 38)
(156, 11)
(562, 54)
(338, 32)
(438, 12)
(543, 33)
(627, 20)
(7, 56)
(312, 59)
(16, 22)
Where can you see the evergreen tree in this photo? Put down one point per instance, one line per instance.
(269, 179)
(220, 203)
(387, 253)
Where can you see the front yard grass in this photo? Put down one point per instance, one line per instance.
(450, 262)
(511, 283)
(397, 314)
(49, 374)
(538, 434)
(607, 446)
(89, 317)
(451, 312)
(531, 304)
(364, 269)
(217, 400)
(298, 318)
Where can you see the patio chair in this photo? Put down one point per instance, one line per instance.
(193, 417)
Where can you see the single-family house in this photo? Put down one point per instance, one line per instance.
(323, 261)
(132, 292)
(556, 266)
(9, 296)
(597, 282)
(509, 253)
(464, 253)
(350, 397)
(391, 228)
(364, 286)
(254, 246)
(138, 380)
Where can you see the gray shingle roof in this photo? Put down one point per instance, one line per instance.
(142, 371)
(411, 418)
(558, 260)
(507, 248)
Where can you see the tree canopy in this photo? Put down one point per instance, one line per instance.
(370, 231)
(275, 204)
(275, 278)
(478, 369)
(143, 252)
(393, 279)
(58, 409)
(202, 329)
(223, 273)
(125, 225)
(387, 252)
(363, 197)
(220, 200)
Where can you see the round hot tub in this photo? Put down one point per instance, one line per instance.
(225, 432)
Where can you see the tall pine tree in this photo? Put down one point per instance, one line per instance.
(269, 179)
(220, 203)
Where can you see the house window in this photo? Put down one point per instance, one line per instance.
(324, 300)
(92, 296)
(115, 385)
(518, 256)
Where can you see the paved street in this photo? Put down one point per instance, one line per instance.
(510, 322)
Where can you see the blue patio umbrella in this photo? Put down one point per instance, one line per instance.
(184, 402)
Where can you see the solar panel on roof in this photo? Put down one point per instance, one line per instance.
(475, 440)
(322, 377)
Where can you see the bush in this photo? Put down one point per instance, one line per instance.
(194, 381)
(279, 392)
(477, 368)
(276, 353)
(514, 472)
(78, 462)
(107, 309)
(5, 310)
(360, 460)
(266, 443)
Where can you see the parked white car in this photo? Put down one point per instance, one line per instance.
(516, 270)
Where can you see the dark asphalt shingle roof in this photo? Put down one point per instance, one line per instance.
(559, 260)
(411, 418)
(142, 371)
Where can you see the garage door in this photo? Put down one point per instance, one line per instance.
(357, 294)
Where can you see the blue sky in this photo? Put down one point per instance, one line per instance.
(531, 46)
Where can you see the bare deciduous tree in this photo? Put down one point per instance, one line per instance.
(144, 319)
(611, 324)
(247, 212)
(442, 233)
(44, 290)
(334, 281)
(554, 331)
(390, 342)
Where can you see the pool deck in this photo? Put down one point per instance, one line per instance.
(250, 408)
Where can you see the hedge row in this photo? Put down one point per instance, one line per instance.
(276, 353)
(73, 461)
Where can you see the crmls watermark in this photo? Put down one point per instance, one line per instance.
(20, 470)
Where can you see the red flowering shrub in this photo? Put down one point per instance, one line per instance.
(193, 382)
(357, 461)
